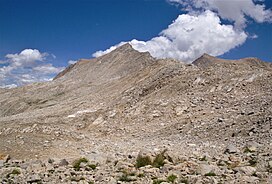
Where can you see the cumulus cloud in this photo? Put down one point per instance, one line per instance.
(71, 62)
(26, 67)
(236, 11)
(188, 37)
(101, 53)
(200, 30)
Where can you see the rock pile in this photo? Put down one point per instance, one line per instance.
(147, 167)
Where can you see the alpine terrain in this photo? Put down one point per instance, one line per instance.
(127, 117)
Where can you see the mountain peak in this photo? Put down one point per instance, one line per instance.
(124, 48)
(205, 55)
(204, 60)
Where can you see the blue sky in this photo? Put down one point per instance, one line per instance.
(64, 30)
(73, 29)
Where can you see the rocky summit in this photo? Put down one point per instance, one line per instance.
(127, 117)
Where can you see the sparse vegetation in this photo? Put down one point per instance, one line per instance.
(92, 166)
(146, 160)
(141, 175)
(158, 181)
(171, 178)
(210, 174)
(184, 180)
(159, 160)
(126, 177)
(142, 161)
(77, 163)
(15, 171)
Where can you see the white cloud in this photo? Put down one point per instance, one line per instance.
(9, 86)
(101, 53)
(27, 56)
(71, 62)
(201, 31)
(233, 10)
(47, 69)
(188, 37)
(26, 67)
(254, 36)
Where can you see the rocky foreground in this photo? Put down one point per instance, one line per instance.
(128, 117)
(233, 166)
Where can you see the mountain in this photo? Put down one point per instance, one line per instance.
(127, 101)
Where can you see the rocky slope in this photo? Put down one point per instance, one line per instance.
(213, 116)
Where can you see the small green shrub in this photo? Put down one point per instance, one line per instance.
(141, 175)
(159, 160)
(15, 171)
(184, 180)
(171, 178)
(142, 161)
(126, 177)
(210, 174)
(92, 166)
(77, 163)
(158, 181)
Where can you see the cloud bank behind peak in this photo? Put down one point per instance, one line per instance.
(188, 37)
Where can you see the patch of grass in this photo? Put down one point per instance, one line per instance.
(141, 175)
(76, 163)
(126, 177)
(158, 181)
(142, 161)
(92, 166)
(184, 180)
(15, 171)
(253, 162)
(171, 178)
(210, 174)
(90, 182)
(159, 160)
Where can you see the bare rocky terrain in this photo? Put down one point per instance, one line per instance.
(128, 117)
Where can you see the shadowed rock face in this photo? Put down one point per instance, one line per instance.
(126, 101)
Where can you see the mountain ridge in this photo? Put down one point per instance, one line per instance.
(116, 105)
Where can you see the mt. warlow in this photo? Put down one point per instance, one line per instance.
(128, 117)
